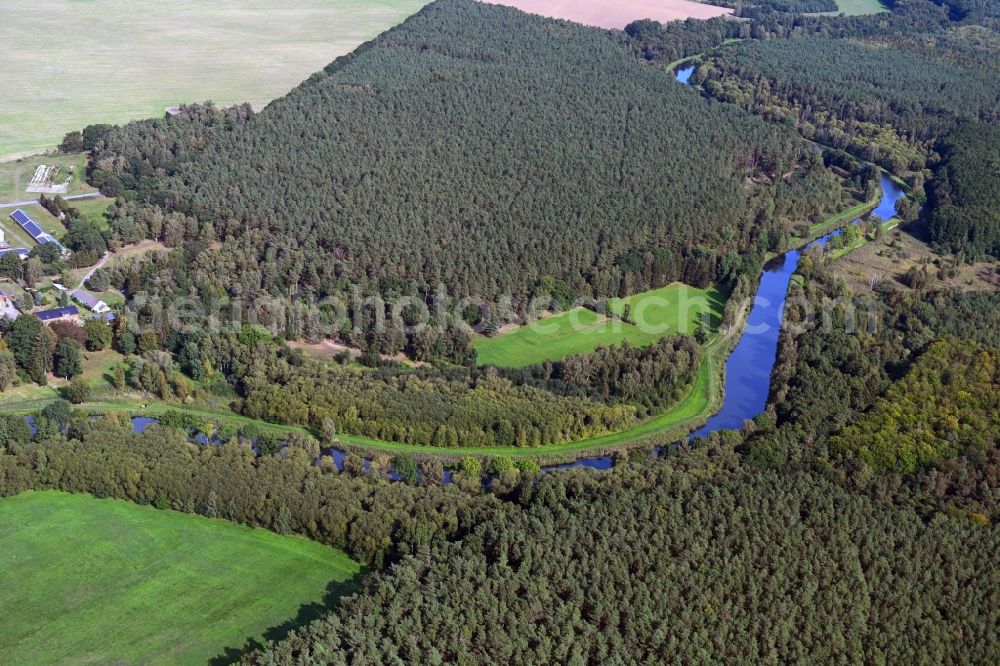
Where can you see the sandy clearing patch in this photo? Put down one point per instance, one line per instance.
(327, 348)
(616, 15)
(888, 260)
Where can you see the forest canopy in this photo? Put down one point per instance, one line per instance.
(472, 146)
(886, 100)
(965, 195)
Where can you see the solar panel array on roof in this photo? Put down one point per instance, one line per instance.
(57, 313)
(22, 252)
(28, 224)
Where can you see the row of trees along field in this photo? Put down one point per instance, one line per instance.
(286, 493)
(473, 146)
(581, 396)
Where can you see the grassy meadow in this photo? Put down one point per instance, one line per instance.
(676, 308)
(16, 174)
(94, 209)
(858, 8)
(102, 581)
(67, 64)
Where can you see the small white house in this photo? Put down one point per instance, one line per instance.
(90, 302)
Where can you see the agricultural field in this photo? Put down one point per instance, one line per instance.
(676, 308)
(617, 15)
(106, 581)
(16, 174)
(69, 64)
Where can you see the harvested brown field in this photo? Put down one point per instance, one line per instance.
(616, 15)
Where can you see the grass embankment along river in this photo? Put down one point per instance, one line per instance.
(835, 222)
(703, 398)
(104, 581)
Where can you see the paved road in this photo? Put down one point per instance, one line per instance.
(34, 202)
(104, 260)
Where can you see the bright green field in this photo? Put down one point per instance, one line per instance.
(857, 8)
(69, 63)
(89, 581)
(676, 308)
(93, 209)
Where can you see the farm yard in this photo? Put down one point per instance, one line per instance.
(616, 15)
(676, 308)
(69, 64)
(13, 234)
(106, 581)
(17, 236)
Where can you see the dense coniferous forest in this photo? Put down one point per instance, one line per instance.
(965, 195)
(853, 521)
(106, 458)
(885, 105)
(765, 568)
(473, 146)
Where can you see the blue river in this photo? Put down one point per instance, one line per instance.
(749, 366)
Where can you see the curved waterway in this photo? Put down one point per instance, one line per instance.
(748, 367)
